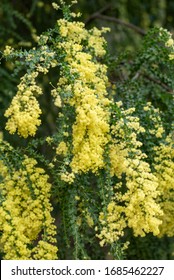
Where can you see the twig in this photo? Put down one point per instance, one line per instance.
(119, 21)
(152, 79)
(167, 88)
(95, 15)
(99, 13)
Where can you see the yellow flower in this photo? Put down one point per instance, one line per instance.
(68, 177)
(171, 56)
(55, 6)
(62, 149)
(8, 50)
(169, 43)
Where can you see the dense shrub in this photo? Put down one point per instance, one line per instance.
(86, 149)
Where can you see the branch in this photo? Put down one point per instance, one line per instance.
(166, 87)
(154, 80)
(124, 23)
(95, 15)
(114, 19)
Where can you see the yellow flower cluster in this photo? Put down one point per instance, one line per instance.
(113, 223)
(83, 213)
(117, 154)
(89, 219)
(24, 111)
(88, 94)
(142, 211)
(68, 177)
(55, 6)
(25, 212)
(95, 40)
(8, 50)
(57, 98)
(170, 44)
(164, 166)
(62, 149)
(45, 251)
(137, 206)
(155, 118)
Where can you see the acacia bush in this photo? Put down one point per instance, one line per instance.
(86, 149)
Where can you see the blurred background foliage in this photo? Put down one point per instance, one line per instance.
(137, 68)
